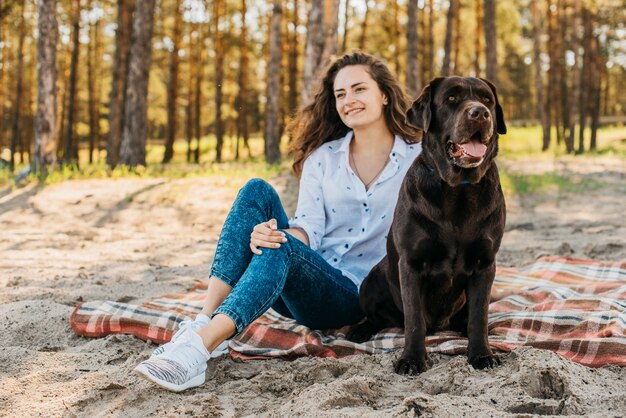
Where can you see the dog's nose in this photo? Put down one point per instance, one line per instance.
(479, 113)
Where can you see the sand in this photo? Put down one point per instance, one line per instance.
(130, 239)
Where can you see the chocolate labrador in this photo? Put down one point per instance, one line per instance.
(447, 227)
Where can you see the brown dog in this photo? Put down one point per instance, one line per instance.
(447, 227)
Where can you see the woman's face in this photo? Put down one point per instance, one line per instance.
(358, 98)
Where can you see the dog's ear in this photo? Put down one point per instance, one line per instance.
(419, 115)
(500, 125)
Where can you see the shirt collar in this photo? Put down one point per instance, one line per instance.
(399, 145)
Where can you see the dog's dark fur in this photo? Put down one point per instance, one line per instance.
(447, 228)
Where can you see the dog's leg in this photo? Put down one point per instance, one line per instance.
(479, 354)
(414, 358)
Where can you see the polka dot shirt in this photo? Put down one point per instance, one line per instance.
(346, 224)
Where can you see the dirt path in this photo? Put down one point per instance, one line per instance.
(130, 239)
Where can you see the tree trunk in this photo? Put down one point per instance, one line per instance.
(272, 110)
(321, 42)
(413, 76)
(94, 92)
(241, 102)
(491, 54)
(198, 95)
(172, 85)
(117, 98)
(564, 94)
(71, 143)
(364, 26)
(2, 89)
(219, 78)
(478, 36)
(396, 38)
(17, 103)
(552, 102)
(190, 90)
(583, 106)
(346, 18)
(457, 37)
(63, 111)
(293, 61)
(599, 68)
(133, 148)
(431, 40)
(576, 80)
(447, 46)
(542, 110)
(45, 122)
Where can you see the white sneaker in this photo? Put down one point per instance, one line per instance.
(182, 367)
(200, 321)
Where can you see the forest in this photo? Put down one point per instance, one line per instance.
(103, 81)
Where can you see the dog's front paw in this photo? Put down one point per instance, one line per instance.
(411, 366)
(484, 361)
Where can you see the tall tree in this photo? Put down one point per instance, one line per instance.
(447, 46)
(71, 142)
(457, 37)
(117, 99)
(585, 82)
(45, 129)
(490, 40)
(542, 111)
(413, 76)
(172, 84)
(202, 37)
(321, 42)
(241, 102)
(576, 43)
(19, 74)
(191, 72)
(364, 25)
(272, 110)
(133, 148)
(478, 35)
(346, 21)
(431, 40)
(218, 12)
(293, 61)
(93, 78)
(3, 57)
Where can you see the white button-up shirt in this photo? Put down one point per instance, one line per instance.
(346, 224)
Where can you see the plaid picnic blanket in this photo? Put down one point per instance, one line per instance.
(576, 308)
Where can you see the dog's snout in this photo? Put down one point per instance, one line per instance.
(478, 113)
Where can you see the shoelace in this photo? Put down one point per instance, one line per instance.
(187, 355)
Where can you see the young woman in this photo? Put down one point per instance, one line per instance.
(352, 149)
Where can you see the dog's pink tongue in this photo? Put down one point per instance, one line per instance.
(474, 148)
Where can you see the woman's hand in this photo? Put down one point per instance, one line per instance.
(266, 235)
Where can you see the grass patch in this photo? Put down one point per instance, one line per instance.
(522, 142)
(521, 184)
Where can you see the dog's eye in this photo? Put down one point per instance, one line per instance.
(452, 99)
(487, 99)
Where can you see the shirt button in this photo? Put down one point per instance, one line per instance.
(365, 204)
(335, 260)
(346, 245)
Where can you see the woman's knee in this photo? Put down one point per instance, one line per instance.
(257, 188)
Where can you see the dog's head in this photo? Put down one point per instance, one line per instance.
(461, 119)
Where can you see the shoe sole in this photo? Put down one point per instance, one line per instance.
(191, 383)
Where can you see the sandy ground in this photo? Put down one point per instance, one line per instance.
(131, 239)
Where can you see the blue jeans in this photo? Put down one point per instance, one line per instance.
(293, 279)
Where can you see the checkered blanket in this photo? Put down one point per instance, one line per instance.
(576, 308)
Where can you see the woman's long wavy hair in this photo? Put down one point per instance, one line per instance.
(319, 121)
